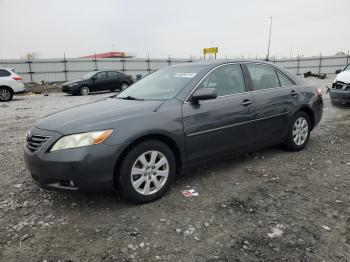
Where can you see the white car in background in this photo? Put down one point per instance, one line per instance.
(340, 90)
(10, 84)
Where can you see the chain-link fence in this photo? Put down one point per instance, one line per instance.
(58, 70)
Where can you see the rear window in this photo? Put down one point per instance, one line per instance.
(263, 77)
(4, 73)
(285, 81)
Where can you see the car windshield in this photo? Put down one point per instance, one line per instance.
(161, 85)
(88, 75)
(347, 68)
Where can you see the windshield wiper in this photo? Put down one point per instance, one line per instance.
(131, 98)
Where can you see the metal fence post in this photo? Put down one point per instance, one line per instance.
(65, 66)
(347, 58)
(123, 64)
(169, 61)
(30, 68)
(320, 64)
(298, 62)
(148, 64)
(95, 60)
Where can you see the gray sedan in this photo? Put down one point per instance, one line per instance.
(136, 142)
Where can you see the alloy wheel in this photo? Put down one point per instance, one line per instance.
(124, 86)
(5, 94)
(85, 90)
(300, 131)
(149, 172)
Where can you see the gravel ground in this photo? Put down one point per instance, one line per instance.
(271, 205)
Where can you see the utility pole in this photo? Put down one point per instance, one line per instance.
(268, 48)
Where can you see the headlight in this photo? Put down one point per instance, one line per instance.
(83, 139)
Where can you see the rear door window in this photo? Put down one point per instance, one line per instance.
(4, 73)
(113, 74)
(263, 76)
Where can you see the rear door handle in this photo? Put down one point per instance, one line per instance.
(246, 102)
(293, 93)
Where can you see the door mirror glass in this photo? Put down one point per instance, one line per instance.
(204, 94)
(337, 71)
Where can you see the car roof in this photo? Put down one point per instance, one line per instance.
(217, 62)
(210, 64)
(106, 70)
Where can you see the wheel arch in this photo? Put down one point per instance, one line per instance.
(174, 147)
(8, 87)
(309, 113)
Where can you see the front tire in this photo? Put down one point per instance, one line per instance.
(147, 172)
(6, 94)
(299, 132)
(84, 90)
(124, 86)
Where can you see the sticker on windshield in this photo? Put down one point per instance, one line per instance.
(188, 75)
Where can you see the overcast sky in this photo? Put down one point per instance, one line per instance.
(179, 28)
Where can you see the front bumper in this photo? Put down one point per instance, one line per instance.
(340, 96)
(87, 169)
(70, 89)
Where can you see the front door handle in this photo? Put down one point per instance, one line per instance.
(246, 102)
(293, 93)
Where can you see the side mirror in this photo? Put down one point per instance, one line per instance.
(93, 78)
(204, 94)
(337, 71)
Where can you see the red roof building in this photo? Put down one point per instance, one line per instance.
(108, 55)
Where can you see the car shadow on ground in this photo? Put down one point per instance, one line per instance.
(194, 177)
(16, 99)
(341, 105)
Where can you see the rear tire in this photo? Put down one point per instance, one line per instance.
(299, 132)
(146, 172)
(84, 90)
(6, 94)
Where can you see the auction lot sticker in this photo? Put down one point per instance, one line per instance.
(187, 75)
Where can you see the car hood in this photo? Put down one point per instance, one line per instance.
(343, 77)
(87, 117)
(72, 82)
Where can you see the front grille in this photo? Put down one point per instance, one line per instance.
(35, 142)
(341, 86)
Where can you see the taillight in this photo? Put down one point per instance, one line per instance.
(319, 91)
(17, 78)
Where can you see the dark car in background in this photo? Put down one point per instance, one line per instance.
(175, 118)
(340, 90)
(97, 81)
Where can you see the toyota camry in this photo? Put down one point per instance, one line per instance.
(180, 116)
